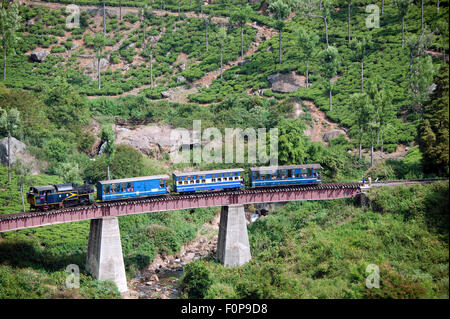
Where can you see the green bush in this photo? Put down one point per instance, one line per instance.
(196, 280)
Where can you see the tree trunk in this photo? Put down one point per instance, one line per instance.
(206, 35)
(421, 15)
(360, 142)
(437, 9)
(382, 143)
(98, 70)
(403, 31)
(307, 71)
(362, 76)
(120, 9)
(242, 41)
(279, 47)
(22, 195)
(221, 68)
(151, 68)
(326, 30)
(371, 154)
(331, 103)
(4, 65)
(9, 157)
(320, 5)
(104, 19)
(348, 5)
(382, 7)
(107, 172)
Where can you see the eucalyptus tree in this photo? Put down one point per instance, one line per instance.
(108, 137)
(359, 49)
(22, 172)
(308, 41)
(418, 44)
(100, 42)
(10, 125)
(104, 18)
(420, 82)
(240, 17)
(310, 9)
(281, 11)
(360, 105)
(403, 7)
(206, 21)
(149, 49)
(120, 10)
(348, 18)
(9, 23)
(329, 63)
(222, 37)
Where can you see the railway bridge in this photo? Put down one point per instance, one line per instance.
(104, 257)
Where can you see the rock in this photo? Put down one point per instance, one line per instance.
(39, 56)
(332, 134)
(130, 46)
(241, 63)
(254, 217)
(148, 283)
(189, 257)
(182, 67)
(154, 277)
(181, 79)
(236, 76)
(165, 94)
(75, 46)
(125, 67)
(17, 147)
(30, 23)
(286, 82)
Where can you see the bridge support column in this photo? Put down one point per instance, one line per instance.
(233, 248)
(364, 198)
(104, 257)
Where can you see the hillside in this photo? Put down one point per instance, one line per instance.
(375, 105)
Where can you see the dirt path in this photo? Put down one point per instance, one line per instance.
(160, 279)
(321, 124)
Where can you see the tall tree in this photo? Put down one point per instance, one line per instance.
(281, 11)
(348, 18)
(240, 17)
(310, 9)
(360, 109)
(150, 47)
(222, 37)
(108, 137)
(433, 131)
(99, 43)
(418, 44)
(359, 49)
(403, 7)
(329, 63)
(9, 124)
(120, 10)
(206, 20)
(22, 172)
(9, 23)
(308, 42)
(420, 82)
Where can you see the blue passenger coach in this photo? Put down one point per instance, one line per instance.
(208, 180)
(285, 175)
(132, 187)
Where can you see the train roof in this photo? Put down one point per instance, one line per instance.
(271, 168)
(232, 170)
(64, 187)
(43, 188)
(134, 179)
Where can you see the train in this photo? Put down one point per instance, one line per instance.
(68, 195)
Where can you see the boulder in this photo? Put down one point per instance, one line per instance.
(286, 82)
(182, 67)
(165, 94)
(181, 79)
(16, 148)
(332, 134)
(103, 64)
(39, 56)
(241, 63)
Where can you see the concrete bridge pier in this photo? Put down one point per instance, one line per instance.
(233, 248)
(104, 257)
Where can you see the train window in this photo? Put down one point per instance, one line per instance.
(197, 181)
(283, 174)
(263, 177)
(203, 181)
(192, 181)
(128, 187)
(161, 184)
(236, 177)
(180, 182)
(186, 182)
(107, 189)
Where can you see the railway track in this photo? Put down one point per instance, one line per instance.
(170, 197)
